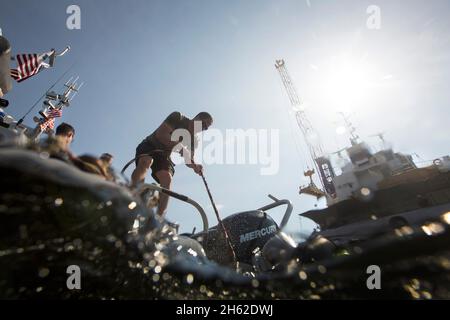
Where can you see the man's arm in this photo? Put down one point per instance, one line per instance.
(164, 135)
(189, 160)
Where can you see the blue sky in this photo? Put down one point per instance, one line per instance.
(140, 60)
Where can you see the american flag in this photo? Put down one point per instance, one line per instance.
(28, 65)
(47, 125)
(54, 113)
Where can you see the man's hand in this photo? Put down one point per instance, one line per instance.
(188, 158)
(198, 168)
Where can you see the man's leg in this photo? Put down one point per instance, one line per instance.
(138, 175)
(165, 180)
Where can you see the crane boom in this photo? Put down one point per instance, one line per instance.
(310, 135)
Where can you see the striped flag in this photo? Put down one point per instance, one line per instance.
(29, 64)
(47, 125)
(54, 113)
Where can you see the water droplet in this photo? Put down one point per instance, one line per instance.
(404, 231)
(190, 279)
(68, 247)
(255, 283)
(155, 277)
(303, 275)
(433, 228)
(415, 294)
(43, 272)
(132, 205)
(166, 276)
(192, 252)
(446, 217)
(44, 155)
(365, 192)
(357, 250)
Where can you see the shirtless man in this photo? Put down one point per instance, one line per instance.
(154, 152)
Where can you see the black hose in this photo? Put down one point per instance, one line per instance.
(140, 156)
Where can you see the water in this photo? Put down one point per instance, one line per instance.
(52, 216)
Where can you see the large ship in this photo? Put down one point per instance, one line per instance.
(374, 185)
(371, 192)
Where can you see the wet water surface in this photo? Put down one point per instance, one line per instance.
(53, 216)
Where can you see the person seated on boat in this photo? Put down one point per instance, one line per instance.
(60, 148)
(91, 164)
(106, 161)
(65, 134)
(107, 158)
(155, 150)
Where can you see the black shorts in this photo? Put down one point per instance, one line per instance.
(161, 159)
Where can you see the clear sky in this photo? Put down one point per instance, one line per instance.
(141, 60)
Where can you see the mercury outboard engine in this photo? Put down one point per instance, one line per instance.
(247, 231)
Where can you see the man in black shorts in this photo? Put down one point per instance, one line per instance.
(154, 151)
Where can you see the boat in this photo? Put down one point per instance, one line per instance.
(384, 186)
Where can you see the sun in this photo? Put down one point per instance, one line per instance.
(345, 82)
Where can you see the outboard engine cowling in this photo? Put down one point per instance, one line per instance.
(185, 248)
(247, 230)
